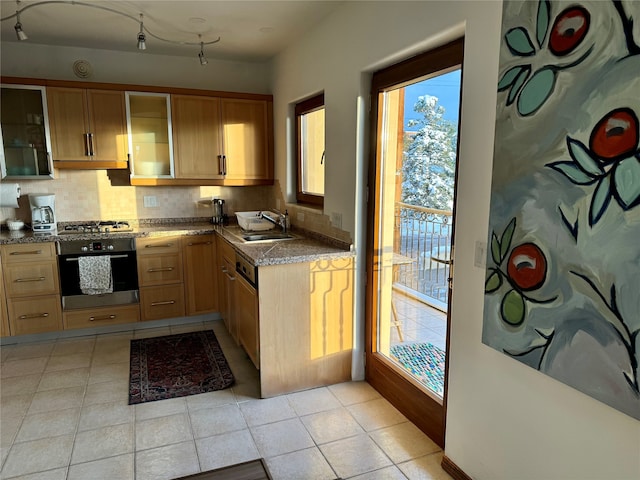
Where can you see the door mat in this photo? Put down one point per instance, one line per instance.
(176, 366)
(423, 360)
(253, 470)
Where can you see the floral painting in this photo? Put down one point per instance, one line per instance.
(562, 289)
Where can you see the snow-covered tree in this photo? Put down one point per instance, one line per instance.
(428, 168)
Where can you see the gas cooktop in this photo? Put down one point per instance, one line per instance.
(109, 226)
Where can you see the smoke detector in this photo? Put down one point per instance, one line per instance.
(82, 69)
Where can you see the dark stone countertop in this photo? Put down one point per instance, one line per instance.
(306, 247)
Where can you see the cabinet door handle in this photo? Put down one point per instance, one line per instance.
(91, 151)
(166, 245)
(198, 243)
(167, 302)
(87, 147)
(220, 165)
(224, 164)
(33, 279)
(104, 317)
(30, 252)
(34, 315)
(161, 269)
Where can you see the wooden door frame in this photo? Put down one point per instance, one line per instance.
(380, 372)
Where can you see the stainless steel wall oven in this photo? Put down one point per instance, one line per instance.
(124, 271)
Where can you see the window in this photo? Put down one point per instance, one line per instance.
(310, 148)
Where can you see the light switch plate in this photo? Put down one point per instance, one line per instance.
(480, 259)
(150, 201)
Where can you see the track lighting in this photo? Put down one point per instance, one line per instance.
(18, 26)
(203, 60)
(141, 36)
(142, 33)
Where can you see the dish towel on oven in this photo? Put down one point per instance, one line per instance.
(95, 274)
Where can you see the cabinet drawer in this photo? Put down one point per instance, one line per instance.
(35, 314)
(226, 250)
(166, 301)
(30, 279)
(160, 269)
(27, 252)
(100, 317)
(157, 245)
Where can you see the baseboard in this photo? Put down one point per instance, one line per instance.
(453, 470)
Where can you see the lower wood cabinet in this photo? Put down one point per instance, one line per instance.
(164, 301)
(226, 282)
(4, 319)
(200, 273)
(101, 317)
(28, 315)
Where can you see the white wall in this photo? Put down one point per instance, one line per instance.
(26, 59)
(504, 420)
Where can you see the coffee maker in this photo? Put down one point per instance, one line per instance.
(43, 218)
(218, 211)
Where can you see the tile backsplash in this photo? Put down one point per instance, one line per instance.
(90, 195)
(85, 195)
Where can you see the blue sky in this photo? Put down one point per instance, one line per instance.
(445, 87)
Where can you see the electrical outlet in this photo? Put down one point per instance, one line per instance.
(150, 201)
(480, 259)
(300, 217)
(336, 219)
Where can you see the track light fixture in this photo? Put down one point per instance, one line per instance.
(141, 36)
(18, 26)
(203, 60)
(142, 33)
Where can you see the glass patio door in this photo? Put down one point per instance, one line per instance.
(411, 236)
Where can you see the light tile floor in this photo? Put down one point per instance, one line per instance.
(64, 415)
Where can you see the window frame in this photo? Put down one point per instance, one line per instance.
(309, 105)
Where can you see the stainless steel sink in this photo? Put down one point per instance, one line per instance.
(266, 237)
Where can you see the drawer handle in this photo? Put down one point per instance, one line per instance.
(167, 302)
(162, 269)
(104, 317)
(31, 252)
(166, 245)
(226, 272)
(34, 315)
(198, 243)
(35, 279)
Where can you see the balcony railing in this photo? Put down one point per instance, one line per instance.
(424, 235)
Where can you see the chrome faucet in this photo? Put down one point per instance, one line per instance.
(282, 219)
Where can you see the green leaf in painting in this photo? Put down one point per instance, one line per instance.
(517, 84)
(493, 283)
(505, 241)
(509, 77)
(573, 172)
(580, 153)
(626, 181)
(495, 248)
(519, 42)
(600, 200)
(536, 91)
(512, 308)
(543, 21)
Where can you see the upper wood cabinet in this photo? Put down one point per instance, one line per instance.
(88, 127)
(197, 140)
(246, 130)
(224, 139)
(26, 146)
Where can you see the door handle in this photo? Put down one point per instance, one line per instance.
(87, 147)
(198, 243)
(167, 302)
(91, 151)
(161, 269)
(35, 315)
(166, 245)
(31, 252)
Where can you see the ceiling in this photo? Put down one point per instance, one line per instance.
(248, 30)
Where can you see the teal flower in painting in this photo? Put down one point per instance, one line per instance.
(569, 29)
(611, 162)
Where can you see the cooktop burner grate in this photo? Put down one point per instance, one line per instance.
(108, 226)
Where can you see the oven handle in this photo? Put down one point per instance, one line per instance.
(75, 259)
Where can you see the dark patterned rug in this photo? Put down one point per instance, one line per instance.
(177, 366)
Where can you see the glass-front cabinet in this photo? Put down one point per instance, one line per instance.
(149, 133)
(26, 141)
